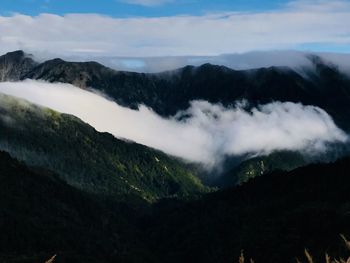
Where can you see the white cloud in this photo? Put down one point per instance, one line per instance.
(210, 133)
(299, 23)
(146, 2)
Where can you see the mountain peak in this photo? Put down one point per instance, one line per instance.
(16, 53)
(15, 64)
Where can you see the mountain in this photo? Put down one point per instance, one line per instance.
(273, 218)
(88, 160)
(13, 65)
(258, 166)
(321, 85)
(247, 168)
(87, 196)
(40, 216)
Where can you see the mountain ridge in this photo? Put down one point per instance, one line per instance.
(90, 197)
(272, 217)
(168, 92)
(89, 160)
(270, 223)
(15, 64)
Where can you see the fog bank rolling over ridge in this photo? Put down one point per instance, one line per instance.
(204, 133)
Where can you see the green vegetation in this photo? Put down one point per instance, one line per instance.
(40, 215)
(89, 160)
(257, 166)
(272, 218)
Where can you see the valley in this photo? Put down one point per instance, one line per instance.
(87, 196)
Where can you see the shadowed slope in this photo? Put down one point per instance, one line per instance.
(89, 160)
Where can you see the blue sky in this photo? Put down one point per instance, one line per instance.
(158, 28)
(121, 8)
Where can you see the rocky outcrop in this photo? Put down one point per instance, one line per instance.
(14, 65)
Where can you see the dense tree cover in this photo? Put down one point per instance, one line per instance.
(40, 215)
(257, 166)
(89, 160)
(272, 217)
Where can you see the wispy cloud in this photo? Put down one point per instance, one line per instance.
(146, 2)
(207, 134)
(298, 24)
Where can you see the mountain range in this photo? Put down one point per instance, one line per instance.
(88, 196)
(322, 84)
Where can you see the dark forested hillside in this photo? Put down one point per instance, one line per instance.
(273, 218)
(40, 216)
(257, 166)
(89, 160)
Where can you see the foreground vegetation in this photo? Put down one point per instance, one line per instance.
(272, 217)
(308, 256)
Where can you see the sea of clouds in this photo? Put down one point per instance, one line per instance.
(205, 133)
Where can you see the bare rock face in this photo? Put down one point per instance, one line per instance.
(80, 74)
(14, 65)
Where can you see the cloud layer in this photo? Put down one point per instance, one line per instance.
(298, 25)
(204, 133)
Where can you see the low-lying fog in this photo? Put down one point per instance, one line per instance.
(204, 133)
